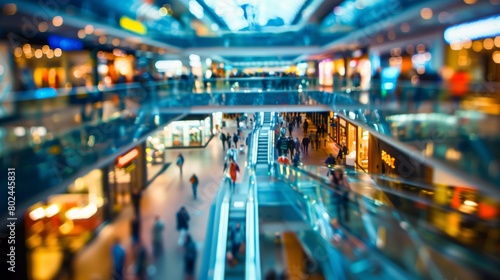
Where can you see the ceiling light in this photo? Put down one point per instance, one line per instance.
(45, 49)
(470, 2)
(426, 13)
(38, 53)
(391, 35)
(496, 57)
(405, 27)
(57, 52)
(57, 21)
(488, 44)
(43, 26)
(9, 9)
(115, 42)
(477, 46)
(81, 34)
(102, 40)
(89, 29)
(196, 9)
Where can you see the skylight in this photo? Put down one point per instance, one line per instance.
(255, 14)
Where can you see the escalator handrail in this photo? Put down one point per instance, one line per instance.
(403, 194)
(252, 265)
(395, 214)
(215, 266)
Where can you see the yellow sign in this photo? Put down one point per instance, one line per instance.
(388, 159)
(133, 25)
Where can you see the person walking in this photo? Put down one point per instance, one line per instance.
(330, 161)
(233, 173)
(343, 152)
(180, 162)
(119, 255)
(290, 128)
(291, 146)
(194, 183)
(232, 153)
(305, 145)
(158, 229)
(223, 139)
(305, 126)
(141, 262)
(341, 186)
(228, 140)
(237, 238)
(236, 138)
(190, 254)
(296, 159)
(297, 144)
(182, 218)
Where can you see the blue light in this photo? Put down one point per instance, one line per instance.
(65, 44)
(45, 93)
(473, 30)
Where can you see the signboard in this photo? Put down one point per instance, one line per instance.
(65, 44)
(127, 158)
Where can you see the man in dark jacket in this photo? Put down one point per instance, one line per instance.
(305, 145)
(330, 161)
(223, 139)
(182, 219)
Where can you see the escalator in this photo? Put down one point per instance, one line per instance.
(402, 247)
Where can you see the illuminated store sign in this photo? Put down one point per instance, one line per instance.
(65, 44)
(473, 30)
(127, 158)
(133, 25)
(388, 159)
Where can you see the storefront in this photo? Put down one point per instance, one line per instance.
(126, 176)
(192, 131)
(63, 224)
(475, 47)
(356, 139)
(115, 67)
(52, 66)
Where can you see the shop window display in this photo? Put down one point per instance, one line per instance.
(63, 224)
(362, 148)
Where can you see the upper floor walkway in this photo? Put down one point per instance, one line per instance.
(59, 134)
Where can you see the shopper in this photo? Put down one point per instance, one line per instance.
(343, 152)
(228, 140)
(158, 229)
(305, 126)
(232, 153)
(236, 138)
(233, 173)
(223, 139)
(237, 238)
(182, 218)
(296, 159)
(297, 144)
(341, 187)
(180, 162)
(305, 145)
(330, 161)
(190, 254)
(194, 183)
(118, 253)
(291, 146)
(141, 262)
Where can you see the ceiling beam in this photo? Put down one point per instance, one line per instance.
(256, 52)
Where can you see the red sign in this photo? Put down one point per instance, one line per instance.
(121, 161)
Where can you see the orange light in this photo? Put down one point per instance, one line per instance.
(127, 158)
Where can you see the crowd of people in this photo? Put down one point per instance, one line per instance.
(286, 146)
